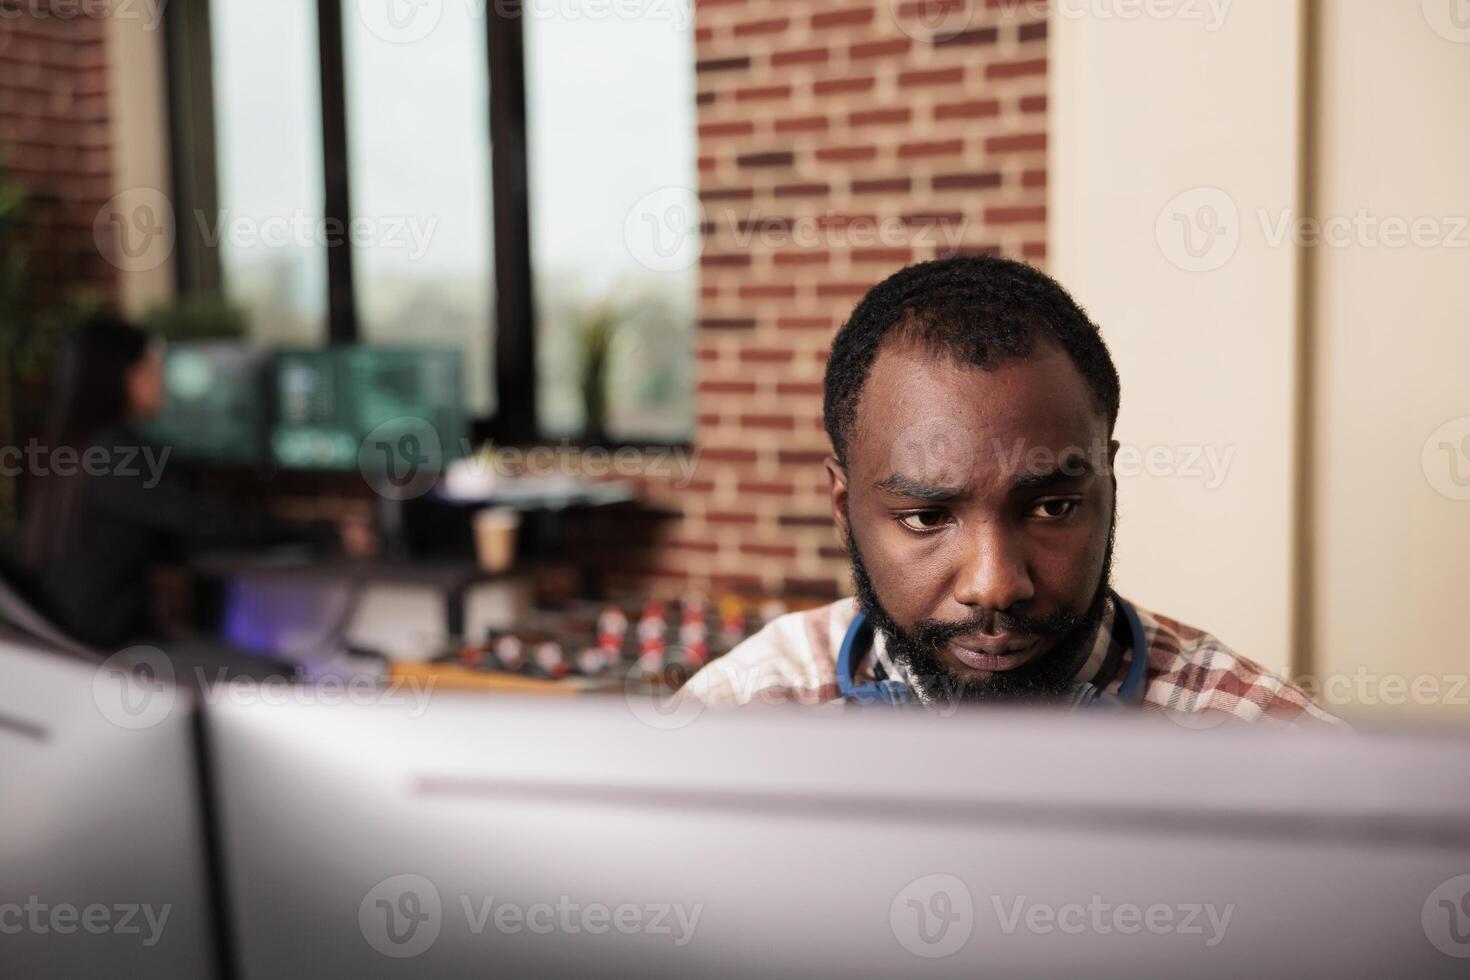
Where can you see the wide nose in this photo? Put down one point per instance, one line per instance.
(994, 575)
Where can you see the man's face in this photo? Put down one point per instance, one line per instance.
(978, 506)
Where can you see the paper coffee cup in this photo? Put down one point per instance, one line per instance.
(495, 538)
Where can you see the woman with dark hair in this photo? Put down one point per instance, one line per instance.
(96, 525)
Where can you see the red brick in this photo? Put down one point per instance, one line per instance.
(727, 323)
(930, 148)
(721, 64)
(762, 93)
(768, 291)
(927, 218)
(727, 194)
(809, 389)
(769, 550)
(880, 49)
(1034, 250)
(1033, 103)
(754, 27)
(977, 181)
(976, 36)
(803, 457)
(1010, 216)
(883, 256)
(843, 290)
(804, 323)
(801, 257)
(799, 56)
(842, 86)
(776, 158)
(1016, 144)
(1016, 69)
(878, 117)
(931, 76)
(732, 260)
(801, 124)
(886, 185)
(842, 154)
(1032, 32)
(729, 517)
(765, 488)
(709, 454)
(1033, 178)
(970, 109)
(727, 387)
(783, 422)
(842, 18)
(714, 130)
(766, 355)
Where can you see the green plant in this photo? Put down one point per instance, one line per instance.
(29, 333)
(198, 317)
(597, 327)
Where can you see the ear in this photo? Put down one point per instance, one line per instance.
(837, 489)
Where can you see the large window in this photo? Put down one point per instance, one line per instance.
(461, 177)
(268, 134)
(600, 156)
(418, 131)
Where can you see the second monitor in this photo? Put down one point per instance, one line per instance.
(328, 402)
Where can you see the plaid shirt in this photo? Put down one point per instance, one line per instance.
(1191, 675)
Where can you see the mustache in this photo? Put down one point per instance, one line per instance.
(935, 634)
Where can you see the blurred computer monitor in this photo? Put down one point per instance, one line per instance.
(103, 868)
(605, 838)
(329, 402)
(216, 404)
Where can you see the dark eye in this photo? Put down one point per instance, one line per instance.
(924, 520)
(1055, 509)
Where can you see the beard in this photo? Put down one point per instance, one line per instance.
(1047, 679)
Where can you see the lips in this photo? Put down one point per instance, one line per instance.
(1004, 651)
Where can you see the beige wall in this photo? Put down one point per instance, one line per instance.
(1158, 122)
(1214, 348)
(1393, 365)
(140, 161)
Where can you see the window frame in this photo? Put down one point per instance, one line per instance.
(189, 59)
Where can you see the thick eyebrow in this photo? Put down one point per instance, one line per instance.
(905, 486)
(1072, 468)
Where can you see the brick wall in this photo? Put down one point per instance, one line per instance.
(840, 140)
(54, 138)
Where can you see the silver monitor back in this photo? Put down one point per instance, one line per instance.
(503, 837)
(102, 836)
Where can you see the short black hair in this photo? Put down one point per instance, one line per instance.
(976, 309)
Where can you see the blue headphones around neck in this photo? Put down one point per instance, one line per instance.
(892, 692)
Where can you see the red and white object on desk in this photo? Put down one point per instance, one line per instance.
(550, 660)
(510, 653)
